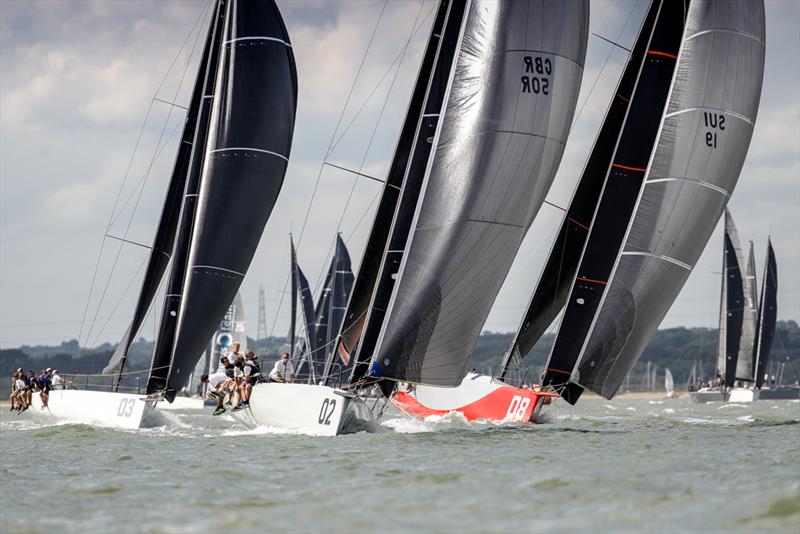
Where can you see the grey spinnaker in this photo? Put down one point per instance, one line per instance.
(509, 104)
(552, 289)
(745, 369)
(703, 141)
(767, 316)
(251, 127)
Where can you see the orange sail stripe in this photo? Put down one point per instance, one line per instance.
(577, 223)
(590, 280)
(639, 169)
(559, 371)
(623, 98)
(665, 54)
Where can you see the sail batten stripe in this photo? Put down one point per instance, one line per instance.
(575, 221)
(592, 280)
(546, 52)
(250, 149)
(663, 54)
(660, 257)
(629, 168)
(540, 136)
(696, 182)
(718, 110)
(555, 206)
(559, 371)
(726, 30)
(258, 38)
(212, 267)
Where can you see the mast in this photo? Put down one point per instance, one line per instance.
(702, 143)
(552, 288)
(623, 180)
(768, 314)
(508, 104)
(168, 221)
(247, 153)
(722, 350)
(159, 368)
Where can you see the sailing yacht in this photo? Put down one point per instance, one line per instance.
(668, 156)
(232, 157)
(482, 138)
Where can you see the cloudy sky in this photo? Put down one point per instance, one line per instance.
(86, 151)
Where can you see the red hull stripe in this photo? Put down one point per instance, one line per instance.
(503, 404)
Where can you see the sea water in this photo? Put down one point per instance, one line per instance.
(623, 465)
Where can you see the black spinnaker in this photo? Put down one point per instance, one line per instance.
(250, 135)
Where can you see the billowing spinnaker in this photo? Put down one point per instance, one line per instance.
(247, 153)
(744, 364)
(702, 145)
(509, 105)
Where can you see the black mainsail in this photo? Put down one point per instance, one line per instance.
(767, 317)
(556, 278)
(337, 295)
(702, 143)
(170, 213)
(732, 305)
(249, 140)
(300, 288)
(502, 124)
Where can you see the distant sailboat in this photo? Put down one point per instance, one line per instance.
(232, 159)
(669, 384)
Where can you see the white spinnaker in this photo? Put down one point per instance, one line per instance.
(702, 144)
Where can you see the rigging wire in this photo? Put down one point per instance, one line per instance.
(332, 144)
(201, 17)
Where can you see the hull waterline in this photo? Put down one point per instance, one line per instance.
(95, 408)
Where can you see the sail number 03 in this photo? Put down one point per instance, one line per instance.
(126, 407)
(536, 78)
(326, 411)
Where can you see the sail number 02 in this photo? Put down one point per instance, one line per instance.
(326, 411)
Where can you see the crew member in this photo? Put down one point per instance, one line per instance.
(283, 371)
(218, 386)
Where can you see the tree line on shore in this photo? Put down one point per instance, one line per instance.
(678, 349)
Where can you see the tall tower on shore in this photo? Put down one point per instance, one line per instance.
(261, 329)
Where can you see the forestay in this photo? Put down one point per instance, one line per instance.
(703, 140)
(249, 141)
(508, 107)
